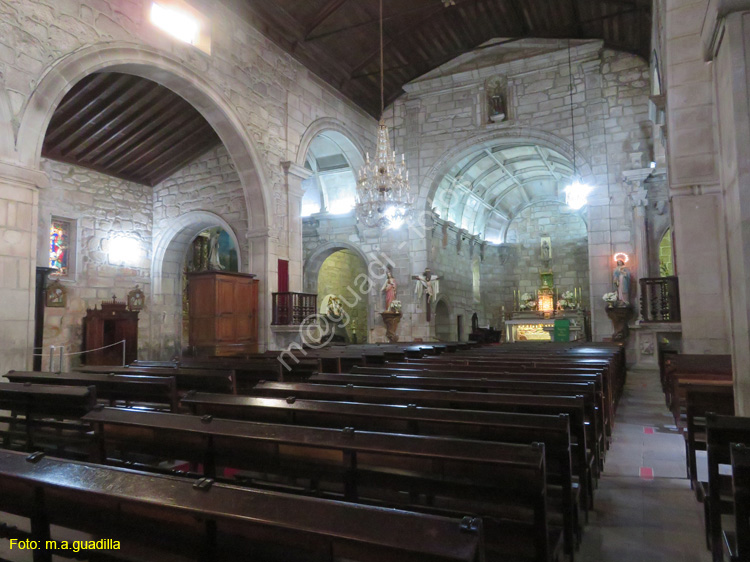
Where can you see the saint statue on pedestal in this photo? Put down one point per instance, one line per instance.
(214, 263)
(390, 288)
(621, 279)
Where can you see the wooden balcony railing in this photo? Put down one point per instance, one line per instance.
(291, 309)
(660, 299)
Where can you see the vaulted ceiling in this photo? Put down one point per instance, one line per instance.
(338, 39)
(127, 127)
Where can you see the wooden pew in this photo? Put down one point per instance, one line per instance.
(574, 406)
(593, 400)
(498, 481)
(702, 397)
(176, 519)
(721, 433)
(38, 412)
(694, 367)
(737, 541)
(205, 380)
(158, 392)
(553, 431)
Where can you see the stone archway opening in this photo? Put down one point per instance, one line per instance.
(169, 331)
(443, 327)
(342, 276)
(222, 117)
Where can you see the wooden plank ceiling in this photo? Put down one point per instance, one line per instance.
(128, 127)
(338, 39)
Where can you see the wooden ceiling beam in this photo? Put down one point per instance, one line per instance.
(119, 126)
(328, 10)
(178, 156)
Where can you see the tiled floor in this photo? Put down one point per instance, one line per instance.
(644, 515)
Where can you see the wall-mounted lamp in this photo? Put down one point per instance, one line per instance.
(124, 250)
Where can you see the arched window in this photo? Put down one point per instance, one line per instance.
(333, 186)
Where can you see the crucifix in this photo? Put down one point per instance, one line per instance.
(427, 284)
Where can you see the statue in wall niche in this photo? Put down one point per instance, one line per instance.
(497, 98)
(621, 280)
(214, 264)
(546, 248)
(390, 288)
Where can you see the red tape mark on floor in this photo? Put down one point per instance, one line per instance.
(648, 430)
(646, 473)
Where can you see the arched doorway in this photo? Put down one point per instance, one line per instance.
(342, 275)
(666, 259)
(221, 116)
(443, 327)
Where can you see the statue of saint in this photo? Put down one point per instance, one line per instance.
(390, 288)
(546, 250)
(621, 278)
(214, 264)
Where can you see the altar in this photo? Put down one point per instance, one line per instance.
(539, 329)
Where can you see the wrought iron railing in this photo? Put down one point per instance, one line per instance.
(660, 299)
(291, 309)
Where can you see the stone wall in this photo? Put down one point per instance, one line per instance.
(104, 208)
(271, 99)
(338, 276)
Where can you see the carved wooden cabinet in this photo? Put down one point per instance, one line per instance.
(223, 317)
(106, 326)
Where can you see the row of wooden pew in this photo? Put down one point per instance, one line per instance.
(503, 453)
(699, 391)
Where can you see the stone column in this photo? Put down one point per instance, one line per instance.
(260, 256)
(19, 210)
(295, 175)
(634, 181)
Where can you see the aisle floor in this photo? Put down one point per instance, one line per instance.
(645, 510)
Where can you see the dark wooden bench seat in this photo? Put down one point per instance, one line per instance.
(145, 391)
(169, 518)
(44, 415)
(505, 484)
(505, 427)
(593, 399)
(204, 380)
(574, 406)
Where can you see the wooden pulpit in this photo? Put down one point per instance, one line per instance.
(223, 313)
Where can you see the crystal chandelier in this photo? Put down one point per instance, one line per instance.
(384, 197)
(383, 193)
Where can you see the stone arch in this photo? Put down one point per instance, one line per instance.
(167, 263)
(581, 215)
(443, 319)
(160, 67)
(7, 137)
(514, 135)
(313, 264)
(356, 158)
(320, 254)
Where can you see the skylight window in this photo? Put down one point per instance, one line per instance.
(181, 21)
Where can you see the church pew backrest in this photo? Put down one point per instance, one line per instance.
(218, 521)
(738, 542)
(207, 380)
(721, 433)
(493, 479)
(700, 398)
(114, 388)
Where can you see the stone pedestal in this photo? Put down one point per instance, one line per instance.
(620, 316)
(391, 320)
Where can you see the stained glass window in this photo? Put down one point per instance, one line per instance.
(59, 245)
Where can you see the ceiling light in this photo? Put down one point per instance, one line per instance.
(576, 194)
(384, 196)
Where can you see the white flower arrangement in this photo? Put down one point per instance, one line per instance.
(563, 303)
(528, 302)
(395, 307)
(568, 296)
(527, 297)
(610, 298)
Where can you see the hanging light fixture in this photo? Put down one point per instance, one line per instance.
(384, 196)
(577, 192)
